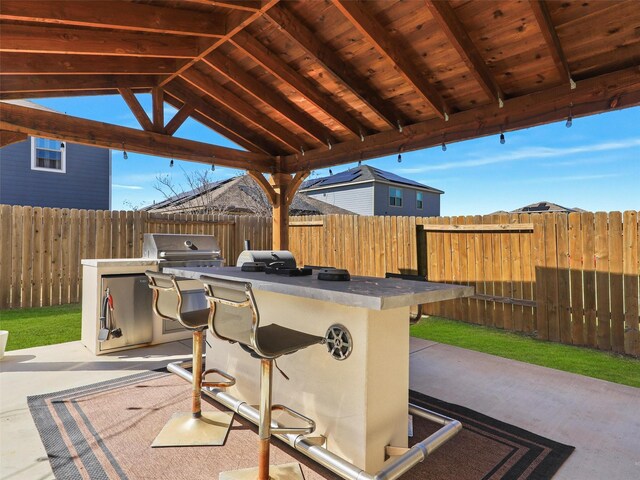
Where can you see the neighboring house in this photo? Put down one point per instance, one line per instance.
(237, 196)
(51, 173)
(545, 207)
(370, 191)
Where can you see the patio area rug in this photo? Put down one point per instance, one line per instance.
(104, 431)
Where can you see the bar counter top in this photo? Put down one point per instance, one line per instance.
(365, 292)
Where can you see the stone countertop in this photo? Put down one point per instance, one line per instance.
(365, 292)
(119, 262)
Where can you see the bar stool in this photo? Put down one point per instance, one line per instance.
(195, 428)
(234, 317)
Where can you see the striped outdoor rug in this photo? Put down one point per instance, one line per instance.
(104, 431)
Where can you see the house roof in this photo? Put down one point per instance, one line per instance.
(363, 173)
(28, 104)
(239, 195)
(545, 207)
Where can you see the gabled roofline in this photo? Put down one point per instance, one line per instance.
(373, 180)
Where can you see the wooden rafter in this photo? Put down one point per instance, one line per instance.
(393, 51)
(8, 137)
(238, 106)
(225, 66)
(277, 67)
(340, 70)
(444, 14)
(157, 98)
(220, 121)
(179, 118)
(293, 187)
(115, 15)
(29, 86)
(88, 132)
(595, 95)
(71, 40)
(134, 105)
(246, 5)
(56, 64)
(548, 30)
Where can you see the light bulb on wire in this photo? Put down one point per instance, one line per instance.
(502, 139)
(570, 117)
(171, 163)
(444, 146)
(124, 152)
(399, 158)
(213, 167)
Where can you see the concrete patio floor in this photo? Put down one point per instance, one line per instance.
(599, 418)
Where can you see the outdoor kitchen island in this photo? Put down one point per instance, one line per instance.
(359, 402)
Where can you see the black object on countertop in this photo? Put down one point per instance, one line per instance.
(288, 272)
(334, 275)
(253, 267)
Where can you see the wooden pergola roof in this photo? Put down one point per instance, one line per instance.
(309, 84)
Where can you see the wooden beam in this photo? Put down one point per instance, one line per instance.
(446, 18)
(359, 85)
(61, 64)
(264, 184)
(70, 83)
(246, 5)
(236, 22)
(220, 121)
(88, 132)
(79, 93)
(393, 50)
(238, 106)
(179, 118)
(115, 15)
(278, 68)
(489, 227)
(595, 95)
(543, 18)
(7, 137)
(157, 99)
(81, 41)
(280, 183)
(263, 93)
(136, 109)
(293, 187)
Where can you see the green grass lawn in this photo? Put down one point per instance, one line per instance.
(32, 327)
(584, 361)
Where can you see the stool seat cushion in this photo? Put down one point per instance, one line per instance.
(195, 318)
(275, 340)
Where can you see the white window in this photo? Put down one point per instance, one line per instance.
(395, 197)
(419, 200)
(48, 155)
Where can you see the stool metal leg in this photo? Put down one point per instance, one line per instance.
(288, 471)
(195, 428)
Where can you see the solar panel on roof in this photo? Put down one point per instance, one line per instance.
(392, 177)
(342, 177)
(310, 183)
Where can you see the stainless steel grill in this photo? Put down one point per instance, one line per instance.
(182, 250)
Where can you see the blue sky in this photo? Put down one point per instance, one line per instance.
(594, 165)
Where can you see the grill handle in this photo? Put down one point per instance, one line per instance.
(177, 254)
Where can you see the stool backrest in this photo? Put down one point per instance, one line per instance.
(234, 314)
(174, 296)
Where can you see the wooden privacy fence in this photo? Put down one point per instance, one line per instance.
(41, 248)
(567, 278)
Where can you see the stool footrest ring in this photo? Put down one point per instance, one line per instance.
(230, 381)
(311, 425)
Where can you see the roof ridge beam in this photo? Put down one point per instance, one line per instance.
(393, 51)
(233, 72)
(281, 70)
(89, 132)
(543, 17)
(452, 27)
(359, 85)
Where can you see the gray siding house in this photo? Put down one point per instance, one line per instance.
(50, 173)
(367, 190)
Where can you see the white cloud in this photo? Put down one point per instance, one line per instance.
(127, 187)
(527, 153)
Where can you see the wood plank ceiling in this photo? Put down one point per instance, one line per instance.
(308, 84)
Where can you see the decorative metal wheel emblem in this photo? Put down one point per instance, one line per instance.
(339, 342)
